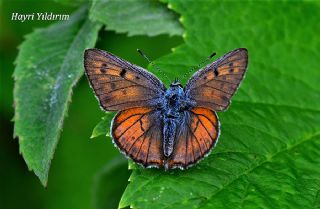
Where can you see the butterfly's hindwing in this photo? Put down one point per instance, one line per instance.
(200, 134)
(138, 133)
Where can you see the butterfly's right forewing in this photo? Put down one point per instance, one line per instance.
(213, 86)
(118, 84)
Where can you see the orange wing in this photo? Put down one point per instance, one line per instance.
(138, 133)
(214, 85)
(118, 84)
(196, 138)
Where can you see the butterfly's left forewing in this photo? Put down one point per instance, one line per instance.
(214, 85)
(118, 84)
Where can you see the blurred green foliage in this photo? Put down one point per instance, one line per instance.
(77, 158)
(103, 196)
(137, 17)
(103, 127)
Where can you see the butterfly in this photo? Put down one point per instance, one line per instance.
(156, 126)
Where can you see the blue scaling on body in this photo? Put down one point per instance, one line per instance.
(174, 107)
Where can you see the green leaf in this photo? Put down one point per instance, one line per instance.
(49, 64)
(109, 183)
(268, 152)
(136, 17)
(103, 127)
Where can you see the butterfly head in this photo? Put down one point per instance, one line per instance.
(176, 83)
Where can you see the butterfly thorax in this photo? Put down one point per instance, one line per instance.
(175, 105)
(174, 97)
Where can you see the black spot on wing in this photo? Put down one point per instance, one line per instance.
(123, 72)
(215, 70)
(103, 68)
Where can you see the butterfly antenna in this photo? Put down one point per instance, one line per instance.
(153, 65)
(198, 66)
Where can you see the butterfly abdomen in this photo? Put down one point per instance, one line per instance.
(169, 132)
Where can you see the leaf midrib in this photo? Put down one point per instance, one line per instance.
(58, 82)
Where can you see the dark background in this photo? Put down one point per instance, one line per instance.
(78, 158)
